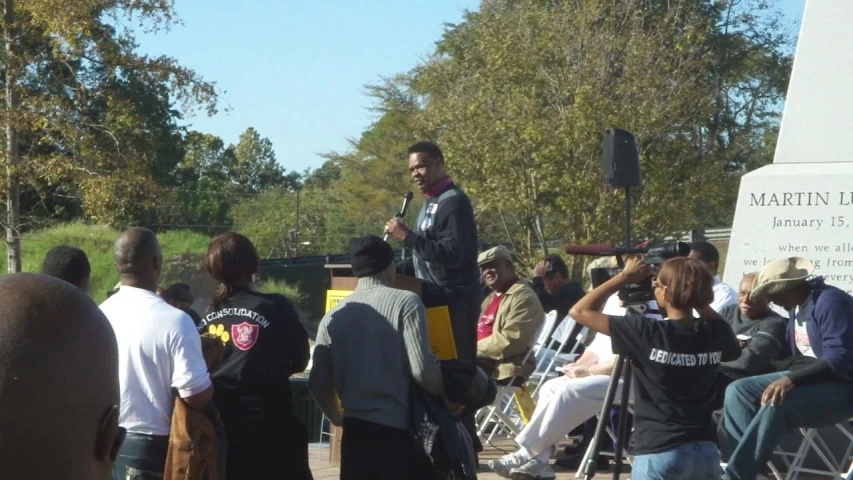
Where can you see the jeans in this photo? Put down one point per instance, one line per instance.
(755, 430)
(142, 457)
(690, 461)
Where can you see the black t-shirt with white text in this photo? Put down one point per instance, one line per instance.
(264, 345)
(675, 377)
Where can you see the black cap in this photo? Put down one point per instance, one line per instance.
(370, 255)
(556, 265)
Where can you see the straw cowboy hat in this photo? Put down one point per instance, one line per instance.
(780, 275)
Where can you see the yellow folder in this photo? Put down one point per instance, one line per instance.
(439, 331)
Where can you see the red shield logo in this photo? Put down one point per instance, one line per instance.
(245, 335)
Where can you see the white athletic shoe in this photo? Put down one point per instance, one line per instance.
(503, 465)
(533, 470)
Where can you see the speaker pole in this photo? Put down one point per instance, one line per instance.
(627, 217)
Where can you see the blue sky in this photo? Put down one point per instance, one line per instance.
(295, 69)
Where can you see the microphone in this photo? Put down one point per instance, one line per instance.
(406, 199)
(597, 249)
(604, 250)
(402, 214)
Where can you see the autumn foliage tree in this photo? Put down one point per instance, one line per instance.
(85, 109)
(521, 91)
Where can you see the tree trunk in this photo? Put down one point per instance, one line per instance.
(13, 187)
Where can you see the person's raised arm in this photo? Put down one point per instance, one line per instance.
(587, 310)
(538, 286)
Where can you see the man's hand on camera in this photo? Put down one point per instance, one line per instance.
(540, 269)
(635, 271)
(396, 228)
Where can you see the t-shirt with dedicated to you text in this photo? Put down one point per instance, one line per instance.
(675, 376)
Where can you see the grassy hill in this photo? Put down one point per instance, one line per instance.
(183, 255)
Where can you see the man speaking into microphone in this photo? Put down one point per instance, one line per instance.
(444, 245)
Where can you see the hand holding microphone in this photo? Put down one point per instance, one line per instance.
(396, 226)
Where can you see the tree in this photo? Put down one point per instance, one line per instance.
(268, 219)
(201, 194)
(72, 85)
(374, 173)
(521, 91)
(255, 168)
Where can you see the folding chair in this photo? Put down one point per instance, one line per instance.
(793, 461)
(547, 357)
(812, 441)
(774, 470)
(501, 409)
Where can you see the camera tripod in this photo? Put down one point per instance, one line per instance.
(622, 369)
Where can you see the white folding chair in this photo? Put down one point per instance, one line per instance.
(501, 410)
(548, 357)
(793, 462)
(812, 442)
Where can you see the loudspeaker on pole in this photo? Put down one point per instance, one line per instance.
(621, 159)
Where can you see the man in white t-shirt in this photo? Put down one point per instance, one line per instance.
(707, 253)
(159, 350)
(564, 403)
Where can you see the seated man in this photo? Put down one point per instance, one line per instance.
(707, 253)
(811, 388)
(761, 333)
(555, 291)
(564, 403)
(510, 317)
(70, 264)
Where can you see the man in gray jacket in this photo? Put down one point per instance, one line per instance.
(760, 331)
(369, 349)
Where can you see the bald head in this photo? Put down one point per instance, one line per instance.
(59, 390)
(137, 258)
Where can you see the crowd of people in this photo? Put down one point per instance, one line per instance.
(155, 384)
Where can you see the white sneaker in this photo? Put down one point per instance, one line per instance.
(533, 470)
(503, 465)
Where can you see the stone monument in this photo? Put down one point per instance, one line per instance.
(802, 204)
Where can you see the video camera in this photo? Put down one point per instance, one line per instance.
(635, 293)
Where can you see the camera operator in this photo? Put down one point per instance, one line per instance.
(707, 253)
(564, 403)
(677, 364)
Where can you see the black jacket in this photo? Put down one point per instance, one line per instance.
(561, 301)
(443, 437)
(444, 245)
(264, 345)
